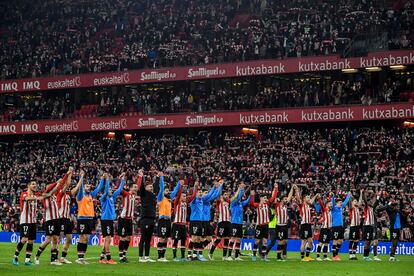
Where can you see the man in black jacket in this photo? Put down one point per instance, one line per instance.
(147, 223)
(395, 215)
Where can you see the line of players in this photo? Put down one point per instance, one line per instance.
(173, 220)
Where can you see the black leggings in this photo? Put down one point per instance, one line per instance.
(147, 229)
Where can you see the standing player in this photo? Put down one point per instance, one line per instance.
(179, 229)
(86, 213)
(306, 234)
(196, 222)
(64, 201)
(355, 228)
(262, 223)
(147, 223)
(52, 219)
(28, 213)
(164, 199)
(325, 233)
(224, 225)
(395, 216)
(281, 214)
(338, 224)
(125, 218)
(369, 225)
(107, 218)
(208, 229)
(236, 210)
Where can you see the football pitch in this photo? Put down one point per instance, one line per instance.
(292, 266)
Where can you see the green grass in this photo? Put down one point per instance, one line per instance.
(292, 267)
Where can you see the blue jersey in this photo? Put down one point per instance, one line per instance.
(197, 206)
(236, 208)
(207, 204)
(107, 201)
(337, 212)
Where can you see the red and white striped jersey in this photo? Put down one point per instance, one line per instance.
(180, 213)
(326, 219)
(28, 209)
(305, 213)
(355, 217)
(64, 204)
(51, 208)
(223, 210)
(369, 216)
(262, 213)
(281, 214)
(128, 205)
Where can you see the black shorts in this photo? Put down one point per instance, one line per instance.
(196, 228)
(281, 232)
(179, 232)
(237, 230)
(124, 227)
(305, 231)
(368, 233)
(325, 235)
(85, 226)
(338, 233)
(208, 229)
(66, 226)
(52, 227)
(224, 229)
(164, 228)
(355, 233)
(107, 227)
(262, 232)
(28, 230)
(395, 234)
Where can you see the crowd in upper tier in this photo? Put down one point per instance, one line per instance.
(319, 160)
(53, 37)
(127, 101)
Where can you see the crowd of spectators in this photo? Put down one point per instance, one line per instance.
(179, 99)
(52, 37)
(318, 160)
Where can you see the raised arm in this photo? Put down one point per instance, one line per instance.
(193, 195)
(95, 192)
(322, 204)
(160, 195)
(274, 195)
(208, 196)
(237, 196)
(141, 181)
(361, 196)
(80, 192)
(78, 185)
(313, 198)
(297, 195)
(120, 188)
(217, 193)
(348, 197)
(176, 189)
(333, 199)
(252, 203)
(245, 202)
(289, 198)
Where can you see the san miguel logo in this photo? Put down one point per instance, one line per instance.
(153, 122)
(114, 79)
(203, 120)
(205, 72)
(157, 75)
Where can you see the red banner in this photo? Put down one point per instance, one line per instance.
(224, 70)
(244, 118)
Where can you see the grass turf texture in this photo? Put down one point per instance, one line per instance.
(292, 266)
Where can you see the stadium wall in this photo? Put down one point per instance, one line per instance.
(209, 71)
(277, 116)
